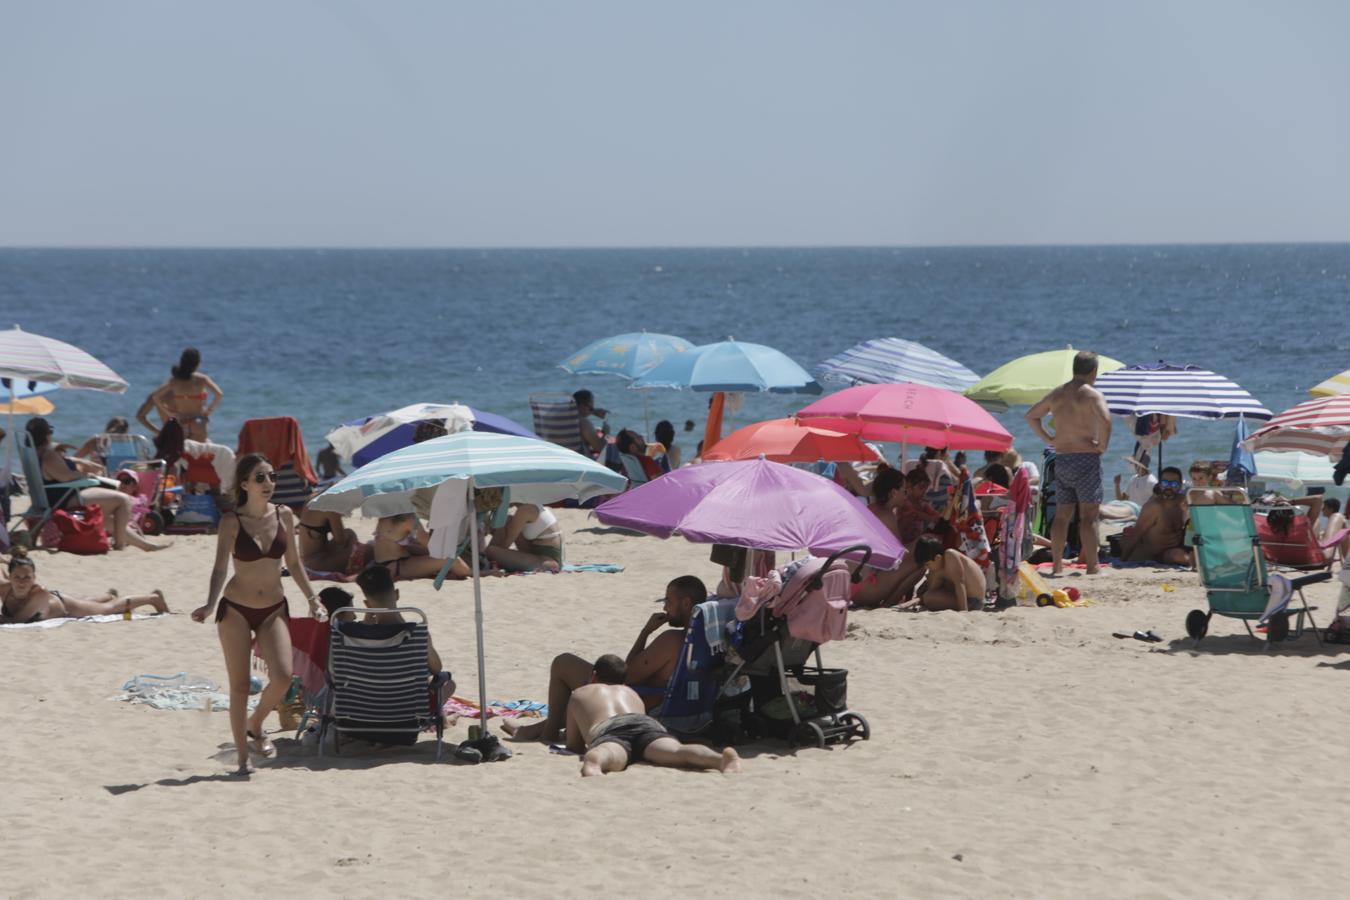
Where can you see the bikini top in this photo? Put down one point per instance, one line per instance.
(246, 548)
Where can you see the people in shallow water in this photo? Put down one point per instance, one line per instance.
(23, 599)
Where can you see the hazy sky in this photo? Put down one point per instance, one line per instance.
(347, 123)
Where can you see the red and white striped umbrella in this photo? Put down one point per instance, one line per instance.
(1319, 426)
(31, 357)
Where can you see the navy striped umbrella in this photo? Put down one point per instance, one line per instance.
(1186, 391)
(896, 361)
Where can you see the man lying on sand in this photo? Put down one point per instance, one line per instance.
(647, 667)
(607, 722)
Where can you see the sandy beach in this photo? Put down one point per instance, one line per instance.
(1027, 753)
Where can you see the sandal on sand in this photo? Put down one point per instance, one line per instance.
(262, 745)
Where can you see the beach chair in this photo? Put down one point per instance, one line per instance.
(43, 500)
(689, 699)
(279, 439)
(122, 451)
(555, 420)
(1295, 546)
(1232, 570)
(378, 685)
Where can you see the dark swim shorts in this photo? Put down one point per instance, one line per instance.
(1078, 478)
(634, 732)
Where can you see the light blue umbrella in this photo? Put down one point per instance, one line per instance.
(535, 471)
(1308, 468)
(896, 361)
(626, 355)
(731, 366)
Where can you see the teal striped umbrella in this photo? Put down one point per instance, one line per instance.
(535, 471)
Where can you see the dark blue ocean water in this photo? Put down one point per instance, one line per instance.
(329, 335)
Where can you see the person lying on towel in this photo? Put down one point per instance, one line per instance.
(647, 667)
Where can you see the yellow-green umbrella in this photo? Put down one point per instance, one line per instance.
(1333, 386)
(1027, 379)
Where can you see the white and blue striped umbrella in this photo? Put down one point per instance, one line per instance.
(536, 472)
(896, 361)
(1186, 391)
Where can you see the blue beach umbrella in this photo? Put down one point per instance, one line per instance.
(1241, 461)
(731, 366)
(896, 361)
(534, 471)
(626, 355)
(1186, 391)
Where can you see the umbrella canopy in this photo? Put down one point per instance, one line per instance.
(1333, 386)
(1308, 468)
(757, 504)
(1027, 379)
(367, 439)
(626, 355)
(908, 414)
(895, 360)
(27, 398)
(31, 357)
(1186, 391)
(730, 366)
(486, 421)
(787, 441)
(536, 472)
(1319, 426)
(1240, 459)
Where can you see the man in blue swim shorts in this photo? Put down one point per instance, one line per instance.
(1082, 432)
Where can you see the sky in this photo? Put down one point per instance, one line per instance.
(506, 124)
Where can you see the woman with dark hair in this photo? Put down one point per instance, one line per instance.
(57, 469)
(184, 395)
(22, 599)
(253, 606)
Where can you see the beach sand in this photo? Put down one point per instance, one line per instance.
(1027, 753)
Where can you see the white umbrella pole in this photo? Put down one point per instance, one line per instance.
(478, 610)
(647, 415)
(10, 438)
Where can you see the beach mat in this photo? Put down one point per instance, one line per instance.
(504, 709)
(57, 623)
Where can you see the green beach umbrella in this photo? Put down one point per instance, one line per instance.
(1027, 379)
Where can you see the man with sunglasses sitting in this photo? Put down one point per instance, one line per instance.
(1160, 533)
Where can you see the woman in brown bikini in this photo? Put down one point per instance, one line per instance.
(253, 605)
(23, 600)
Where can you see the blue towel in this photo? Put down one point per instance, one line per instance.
(608, 568)
(717, 612)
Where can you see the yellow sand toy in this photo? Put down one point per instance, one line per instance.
(1032, 588)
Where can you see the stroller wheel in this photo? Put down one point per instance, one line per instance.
(807, 734)
(858, 724)
(1197, 624)
(152, 523)
(1277, 629)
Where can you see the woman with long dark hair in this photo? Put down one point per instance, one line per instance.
(184, 395)
(253, 606)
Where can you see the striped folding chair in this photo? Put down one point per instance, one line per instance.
(555, 420)
(379, 688)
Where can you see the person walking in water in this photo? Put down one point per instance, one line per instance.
(1082, 432)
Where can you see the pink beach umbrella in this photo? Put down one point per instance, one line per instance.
(757, 504)
(908, 414)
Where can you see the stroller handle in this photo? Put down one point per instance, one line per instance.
(815, 583)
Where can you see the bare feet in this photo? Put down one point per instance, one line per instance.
(731, 762)
(591, 767)
(521, 732)
(245, 768)
(261, 745)
(159, 603)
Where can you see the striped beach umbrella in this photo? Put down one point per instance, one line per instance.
(1186, 391)
(896, 361)
(468, 461)
(1319, 426)
(25, 356)
(1333, 386)
(1308, 468)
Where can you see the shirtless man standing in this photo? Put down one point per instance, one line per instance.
(955, 581)
(607, 722)
(1082, 433)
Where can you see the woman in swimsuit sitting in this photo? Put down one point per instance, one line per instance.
(400, 546)
(22, 599)
(56, 469)
(184, 395)
(328, 545)
(530, 541)
(253, 604)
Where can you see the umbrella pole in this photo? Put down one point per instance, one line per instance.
(647, 415)
(10, 438)
(478, 612)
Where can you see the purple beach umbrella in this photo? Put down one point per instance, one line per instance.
(756, 504)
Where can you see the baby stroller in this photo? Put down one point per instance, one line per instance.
(784, 618)
(144, 480)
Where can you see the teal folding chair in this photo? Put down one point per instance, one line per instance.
(1233, 572)
(43, 500)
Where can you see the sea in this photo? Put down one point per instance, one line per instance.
(327, 336)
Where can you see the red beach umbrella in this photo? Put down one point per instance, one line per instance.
(788, 441)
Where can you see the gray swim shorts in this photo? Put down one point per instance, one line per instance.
(1078, 478)
(633, 732)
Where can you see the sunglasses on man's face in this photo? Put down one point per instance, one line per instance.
(263, 477)
(1169, 483)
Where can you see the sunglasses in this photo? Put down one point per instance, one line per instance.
(1165, 483)
(263, 477)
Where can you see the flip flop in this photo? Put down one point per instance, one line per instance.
(262, 745)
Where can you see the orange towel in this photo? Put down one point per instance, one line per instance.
(278, 439)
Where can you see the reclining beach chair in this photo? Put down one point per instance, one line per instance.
(690, 696)
(43, 500)
(123, 451)
(1233, 571)
(379, 688)
(555, 420)
(1296, 546)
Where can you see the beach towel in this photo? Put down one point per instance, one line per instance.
(510, 709)
(572, 568)
(181, 692)
(57, 623)
(202, 459)
(1115, 563)
(280, 440)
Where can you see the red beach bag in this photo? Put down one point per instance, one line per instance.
(81, 530)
